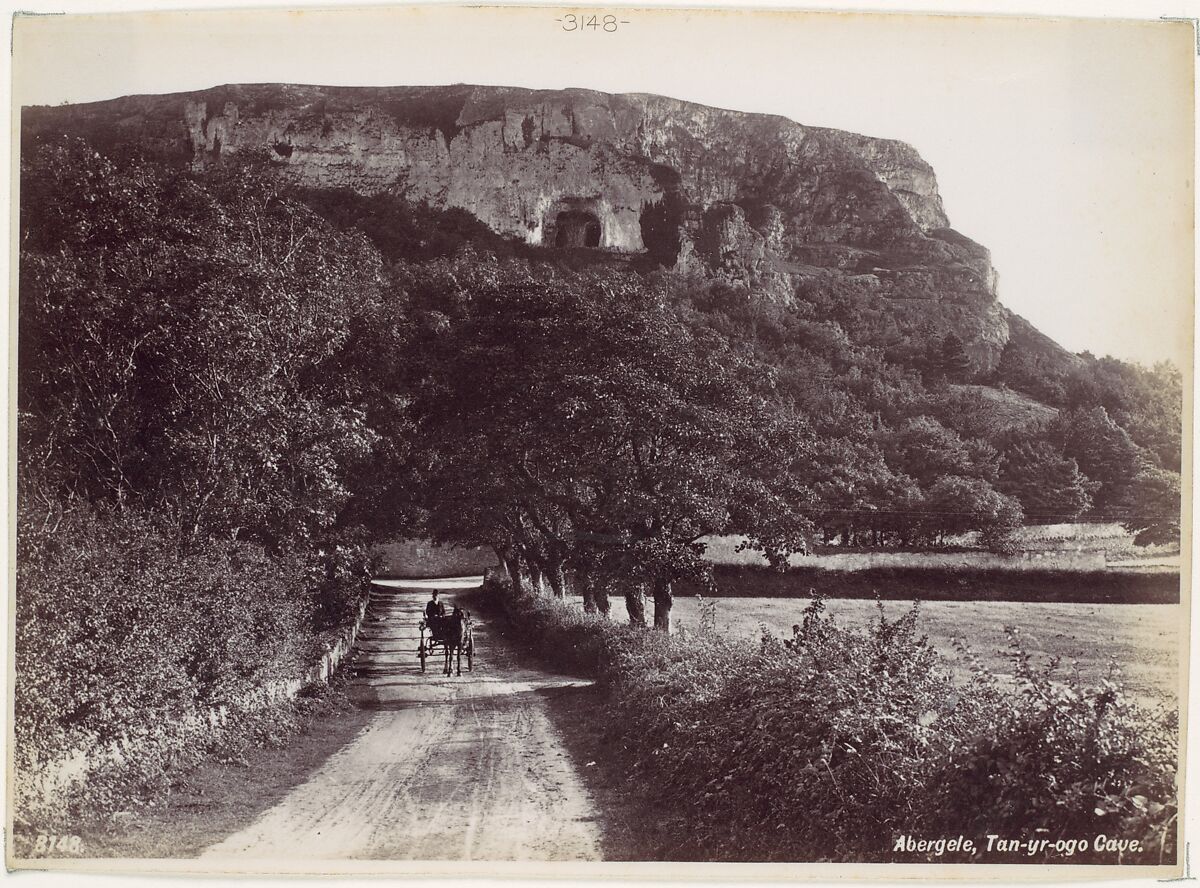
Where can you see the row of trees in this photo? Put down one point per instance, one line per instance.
(577, 425)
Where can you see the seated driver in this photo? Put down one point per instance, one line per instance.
(435, 612)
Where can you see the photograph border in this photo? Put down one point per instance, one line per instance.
(650, 871)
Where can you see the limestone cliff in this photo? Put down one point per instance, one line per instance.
(753, 198)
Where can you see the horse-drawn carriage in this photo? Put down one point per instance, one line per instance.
(452, 635)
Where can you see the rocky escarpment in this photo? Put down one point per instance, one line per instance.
(754, 198)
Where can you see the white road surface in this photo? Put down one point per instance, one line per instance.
(448, 768)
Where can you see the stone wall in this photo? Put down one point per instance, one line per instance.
(41, 790)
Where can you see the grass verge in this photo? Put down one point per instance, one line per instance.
(224, 792)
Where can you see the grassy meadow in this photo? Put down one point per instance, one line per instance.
(1142, 639)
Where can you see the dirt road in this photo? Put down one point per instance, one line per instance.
(447, 768)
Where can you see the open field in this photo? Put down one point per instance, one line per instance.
(1143, 639)
(1075, 548)
(1080, 546)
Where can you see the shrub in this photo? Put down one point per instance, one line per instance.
(125, 642)
(1075, 760)
(560, 634)
(967, 583)
(835, 743)
(341, 575)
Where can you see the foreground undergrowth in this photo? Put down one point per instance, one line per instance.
(136, 661)
(856, 745)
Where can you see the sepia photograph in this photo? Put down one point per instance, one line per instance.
(525, 441)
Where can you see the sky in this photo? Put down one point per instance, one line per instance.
(1063, 145)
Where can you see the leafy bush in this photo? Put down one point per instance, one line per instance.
(341, 575)
(562, 635)
(837, 742)
(1077, 760)
(123, 640)
(203, 347)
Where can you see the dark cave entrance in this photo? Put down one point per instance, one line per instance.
(576, 228)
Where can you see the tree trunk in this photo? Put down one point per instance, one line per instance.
(557, 576)
(512, 564)
(635, 603)
(663, 599)
(600, 596)
(587, 588)
(535, 577)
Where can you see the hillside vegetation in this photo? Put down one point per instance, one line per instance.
(223, 378)
(883, 431)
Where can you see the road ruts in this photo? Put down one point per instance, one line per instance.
(448, 768)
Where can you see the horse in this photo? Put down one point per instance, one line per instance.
(456, 638)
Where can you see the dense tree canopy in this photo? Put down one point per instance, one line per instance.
(591, 425)
(1048, 484)
(183, 343)
(241, 360)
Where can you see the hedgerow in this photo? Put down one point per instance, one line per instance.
(946, 584)
(835, 744)
(126, 644)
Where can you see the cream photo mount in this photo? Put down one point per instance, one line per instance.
(619, 135)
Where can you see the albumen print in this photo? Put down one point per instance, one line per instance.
(530, 441)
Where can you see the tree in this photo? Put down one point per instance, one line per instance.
(1048, 485)
(953, 359)
(186, 344)
(924, 449)
(955, 505)
(1104, 453)
(1035, 371)
(593, 427)
(1146, 403)
(1154, 507)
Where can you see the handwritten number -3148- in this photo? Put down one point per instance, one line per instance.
(596, 23)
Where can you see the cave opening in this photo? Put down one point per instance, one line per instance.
(661, 224)
(576, 228)
(662, 221)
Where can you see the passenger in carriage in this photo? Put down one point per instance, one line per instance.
(435, 614)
